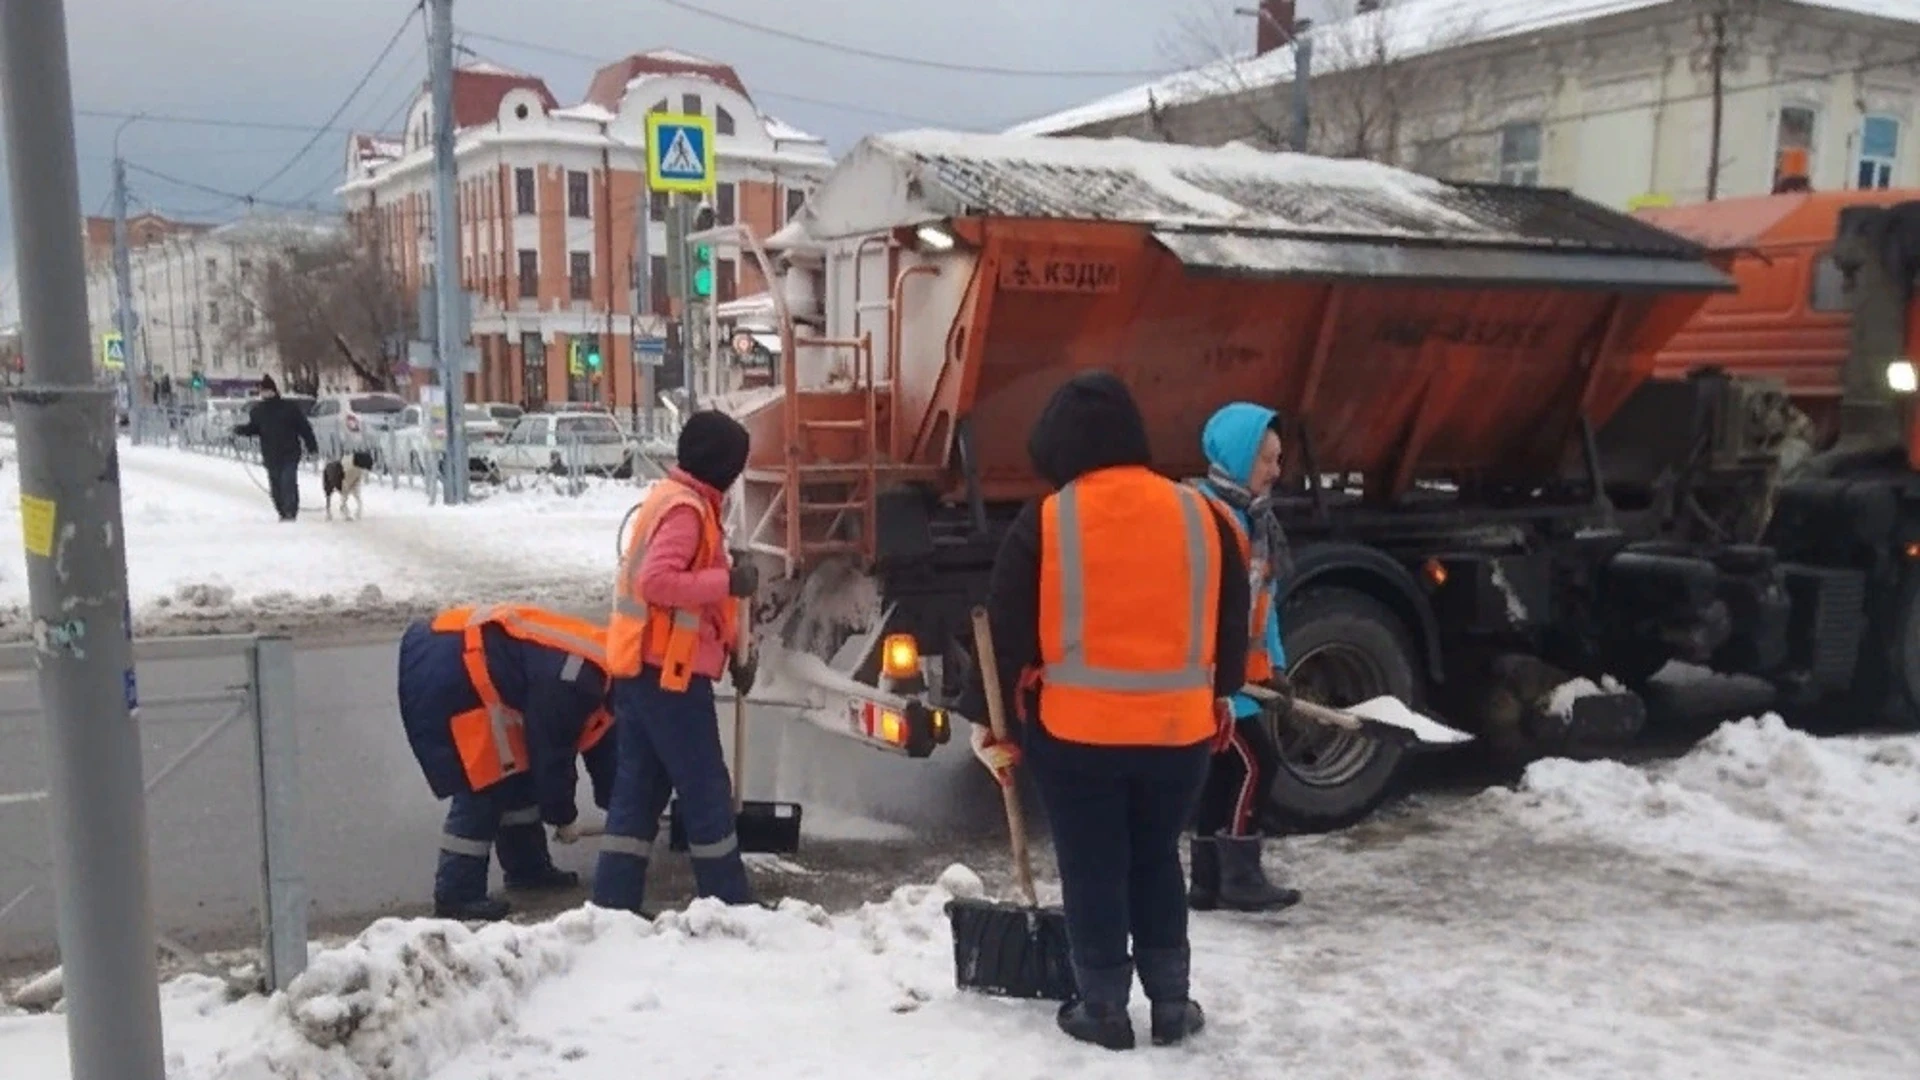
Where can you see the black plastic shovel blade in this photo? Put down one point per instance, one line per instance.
(764, 828)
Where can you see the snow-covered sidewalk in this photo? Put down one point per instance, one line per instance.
(206, 554)
(1748, 911)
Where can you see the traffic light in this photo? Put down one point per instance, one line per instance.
(703, 270)
(199, 380)
(593, 354)
(576, 364)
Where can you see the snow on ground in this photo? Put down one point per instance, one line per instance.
(1747, 911)
(206, 554)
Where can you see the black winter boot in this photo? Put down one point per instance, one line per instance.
(548, 879)
(1243, 884)
(1164, 973)
(485, 909)
(1204, 868)
(1098, 1015)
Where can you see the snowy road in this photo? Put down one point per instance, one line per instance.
(1747, 911)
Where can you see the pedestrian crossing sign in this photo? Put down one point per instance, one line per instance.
(680, 153)
(113, 351)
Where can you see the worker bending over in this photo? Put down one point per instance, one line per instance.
(1243, 445)
(1122, 601)
(670, 637)
(497, 702)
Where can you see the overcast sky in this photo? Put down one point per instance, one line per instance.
(276, 62)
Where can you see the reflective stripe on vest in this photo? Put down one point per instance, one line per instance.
(1259, 581)
(491, 740)
(1073, 669)
(633, 627)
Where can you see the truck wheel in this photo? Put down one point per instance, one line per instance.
(1903, 704)
(1343, 648)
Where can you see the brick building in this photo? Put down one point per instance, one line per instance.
(143, 230)
(550, 198)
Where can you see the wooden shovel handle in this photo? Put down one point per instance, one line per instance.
(1319, 714)
(997, 721)
(743, 644)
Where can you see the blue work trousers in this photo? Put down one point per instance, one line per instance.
(502, 819)
(669, 747)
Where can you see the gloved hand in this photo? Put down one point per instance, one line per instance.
(998, 757)
(566, 834)
(743, 670)
(743, 580)
(1222, 724)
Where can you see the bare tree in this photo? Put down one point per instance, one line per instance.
(1379, 90)
(329, 305)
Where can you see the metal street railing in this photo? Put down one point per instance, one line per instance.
(261, 701)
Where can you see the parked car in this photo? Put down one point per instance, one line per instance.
(503, 413)
(211, 422)
(348, 422)
(559, 442)
(416, 448)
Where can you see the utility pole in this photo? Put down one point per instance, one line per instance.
(1717, 65)
(643, 306)
(446, 249)
(123, 290)
(77, 578)
(1292, 31)
(679, 224)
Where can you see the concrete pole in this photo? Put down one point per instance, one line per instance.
(679, 224)
(643, 303)
(446, 247)
(77, 578)
(123, 287)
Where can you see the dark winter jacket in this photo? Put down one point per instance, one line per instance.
(282, 428)
(434, 688)
(1090, 423)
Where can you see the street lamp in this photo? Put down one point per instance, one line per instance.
(1295, 35)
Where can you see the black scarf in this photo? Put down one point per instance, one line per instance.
(1263, 525)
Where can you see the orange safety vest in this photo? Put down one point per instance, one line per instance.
(492, 739)
(633, 627)
(1260, 579)
(1129, 603)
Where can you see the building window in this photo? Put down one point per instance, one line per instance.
(580, 275)
(213, 313)
(246, 268)
(523, 191)
(659, 106)
(658, 293)
(657, 203)
(246, 314)
(213, 268)
(252, 357)
(796, 199)
(725, 287)
(690, 104)
(722, 121)
(529, 274)
(578, 202)
(1793, 144)
(1879, 152)
(723, 204)
(1520, 154)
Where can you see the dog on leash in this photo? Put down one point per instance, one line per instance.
(343, 476)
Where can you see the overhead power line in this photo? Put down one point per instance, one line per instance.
(908, 61)
(385, 51)
(208, 121)
(233, 198)
(758, 91)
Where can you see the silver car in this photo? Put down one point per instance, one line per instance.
(343, 423)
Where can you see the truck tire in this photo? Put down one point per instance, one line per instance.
(1902, 708)
(1343, 647)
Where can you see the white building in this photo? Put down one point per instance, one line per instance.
(1615, 99)
(550, 200)
(194, 295)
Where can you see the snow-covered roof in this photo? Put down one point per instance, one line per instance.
(1398, 31)
(586, 110)
(1236, 209)
(782, 131)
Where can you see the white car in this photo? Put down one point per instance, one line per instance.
(415, 448)
(561, 442)
(346, 422)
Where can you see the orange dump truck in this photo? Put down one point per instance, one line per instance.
(1793, 397)
(1446, 350)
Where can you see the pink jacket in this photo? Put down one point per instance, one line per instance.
(666, 579)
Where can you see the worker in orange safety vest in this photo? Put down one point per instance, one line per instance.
(672, 633)
(1122, 599)
(498, 701)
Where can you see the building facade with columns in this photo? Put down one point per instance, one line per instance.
(552, 201)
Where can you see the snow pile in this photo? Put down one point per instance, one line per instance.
(206, 554)
(1754, 790)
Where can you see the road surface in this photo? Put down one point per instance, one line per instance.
(370, 826)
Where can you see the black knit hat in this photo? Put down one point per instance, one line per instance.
(268, 386)
(713, 448)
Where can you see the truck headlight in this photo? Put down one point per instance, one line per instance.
(1901, 377)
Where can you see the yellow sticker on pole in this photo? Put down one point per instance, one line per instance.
(36, 524)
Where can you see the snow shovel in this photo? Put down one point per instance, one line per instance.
(1015, 950)
(1386, 718)
(767, 828)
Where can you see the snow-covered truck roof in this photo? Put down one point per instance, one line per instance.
(1242, 211)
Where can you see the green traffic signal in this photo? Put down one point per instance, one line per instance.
(703, 270)
(593, 357)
